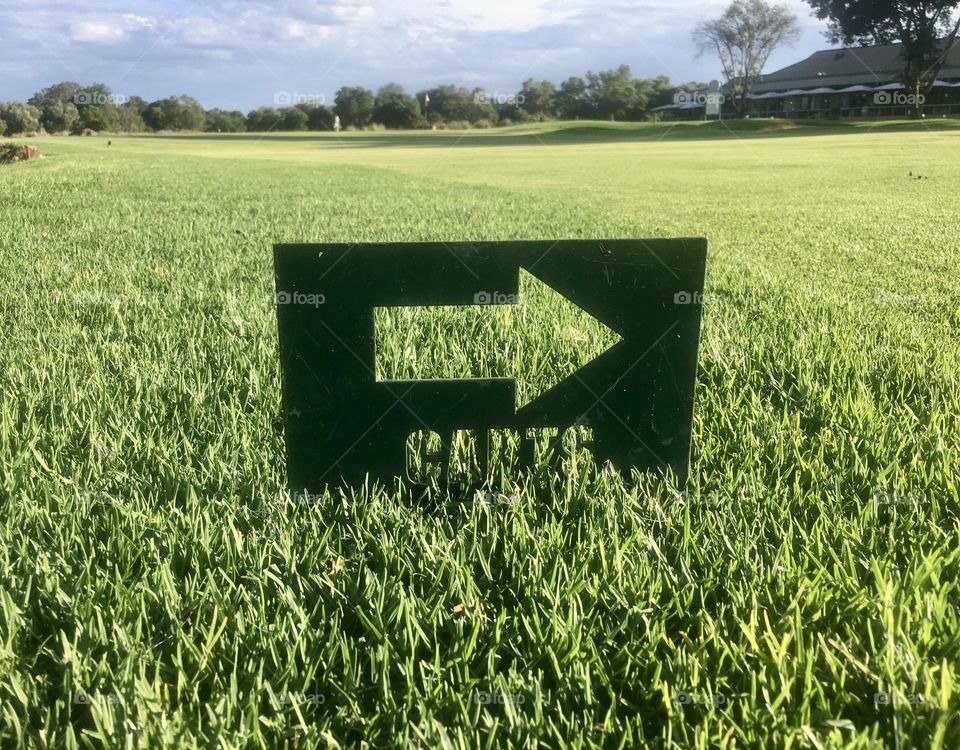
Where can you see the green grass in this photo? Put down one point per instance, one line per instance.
(149, 561)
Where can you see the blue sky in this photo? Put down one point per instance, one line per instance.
(242, 54)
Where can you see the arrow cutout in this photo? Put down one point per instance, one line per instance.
(505, 340)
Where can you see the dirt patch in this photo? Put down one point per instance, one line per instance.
(11, 152)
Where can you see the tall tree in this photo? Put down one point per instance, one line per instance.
(482, 110)
(354, 105)
(654, 91)
(319, 116)
(293, 118)
(223, 121)
(59, 92)
(743, 38)
(572, 100)
(58, 110)
(59, 116)
(94, 95)
(614, 94)
(264, 119)
(395, 108)
(175, 113)
(96, 104)
(451, 103)
(926, 29)
(130, 115)
(20, 117)
(538, 98)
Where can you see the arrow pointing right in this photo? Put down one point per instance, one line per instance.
(637, 396)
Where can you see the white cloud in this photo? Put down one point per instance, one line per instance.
(218, 54)
(512, 16)
(199, 30)
(93, 32)
(108, 29)
(353, 12)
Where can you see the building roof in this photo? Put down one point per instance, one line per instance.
(849, 66)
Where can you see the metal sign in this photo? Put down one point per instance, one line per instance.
(714, 100)
(343, 426)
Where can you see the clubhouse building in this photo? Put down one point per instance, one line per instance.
(843, 83)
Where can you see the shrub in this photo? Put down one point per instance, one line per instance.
(20, 117)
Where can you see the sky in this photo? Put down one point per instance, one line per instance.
(240, 54)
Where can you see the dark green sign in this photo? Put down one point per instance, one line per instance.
(343, 426)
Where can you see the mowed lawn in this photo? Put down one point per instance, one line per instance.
(799, 590)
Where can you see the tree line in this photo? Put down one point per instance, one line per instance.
(742, 38)
(615, 94)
